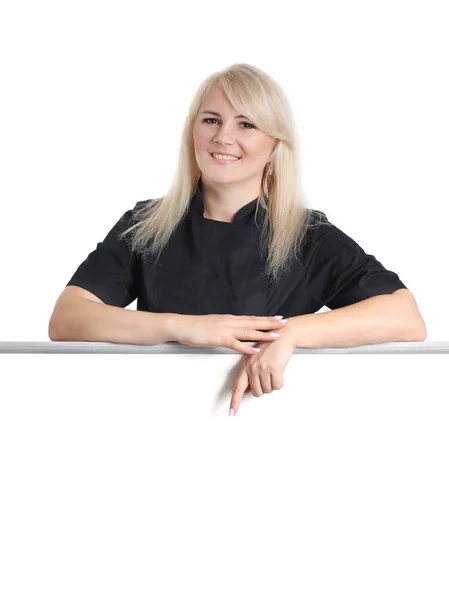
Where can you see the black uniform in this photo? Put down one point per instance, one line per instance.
(214, 267)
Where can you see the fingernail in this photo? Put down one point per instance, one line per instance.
(275, 334)
(283, 321)
(231, 412)
(256, 349)
(278, 317)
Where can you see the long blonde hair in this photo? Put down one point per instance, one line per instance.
(287, 219)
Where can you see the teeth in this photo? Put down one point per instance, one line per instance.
(224, 157)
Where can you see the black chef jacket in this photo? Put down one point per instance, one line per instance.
(214, 267)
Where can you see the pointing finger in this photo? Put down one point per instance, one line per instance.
(238, 390)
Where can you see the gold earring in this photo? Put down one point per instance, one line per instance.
(270, 170)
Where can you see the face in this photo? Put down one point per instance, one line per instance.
(227, 133)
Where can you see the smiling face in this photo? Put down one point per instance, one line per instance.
(228, 133)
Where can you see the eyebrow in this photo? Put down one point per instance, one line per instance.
(212, 112)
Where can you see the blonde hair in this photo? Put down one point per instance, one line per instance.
(287, 219)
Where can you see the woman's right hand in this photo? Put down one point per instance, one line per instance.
(223, 330)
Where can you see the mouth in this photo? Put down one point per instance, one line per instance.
(224, 161)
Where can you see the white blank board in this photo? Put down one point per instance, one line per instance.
(123, 477)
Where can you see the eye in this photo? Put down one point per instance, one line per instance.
(251, 126)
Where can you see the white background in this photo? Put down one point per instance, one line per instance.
(93, 99)
(95, 96)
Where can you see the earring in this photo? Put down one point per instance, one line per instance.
(270, 170)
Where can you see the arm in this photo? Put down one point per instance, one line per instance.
(385, 318)
(79, 319)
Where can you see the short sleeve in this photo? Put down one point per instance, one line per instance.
(341, 273)
(111, 271)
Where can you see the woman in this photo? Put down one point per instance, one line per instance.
(233, 243)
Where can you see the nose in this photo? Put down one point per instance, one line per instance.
(225, 135)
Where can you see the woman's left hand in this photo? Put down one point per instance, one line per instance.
(263, 372)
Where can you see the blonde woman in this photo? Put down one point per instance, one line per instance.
(232, 253)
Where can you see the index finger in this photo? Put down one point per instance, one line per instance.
(263, 317)
(258, 322)
(237, 392)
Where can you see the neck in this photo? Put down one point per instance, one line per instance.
(223, 200)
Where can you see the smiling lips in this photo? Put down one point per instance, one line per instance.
(225, 161)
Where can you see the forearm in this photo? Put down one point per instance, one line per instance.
(376, 320)
(89, 321)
